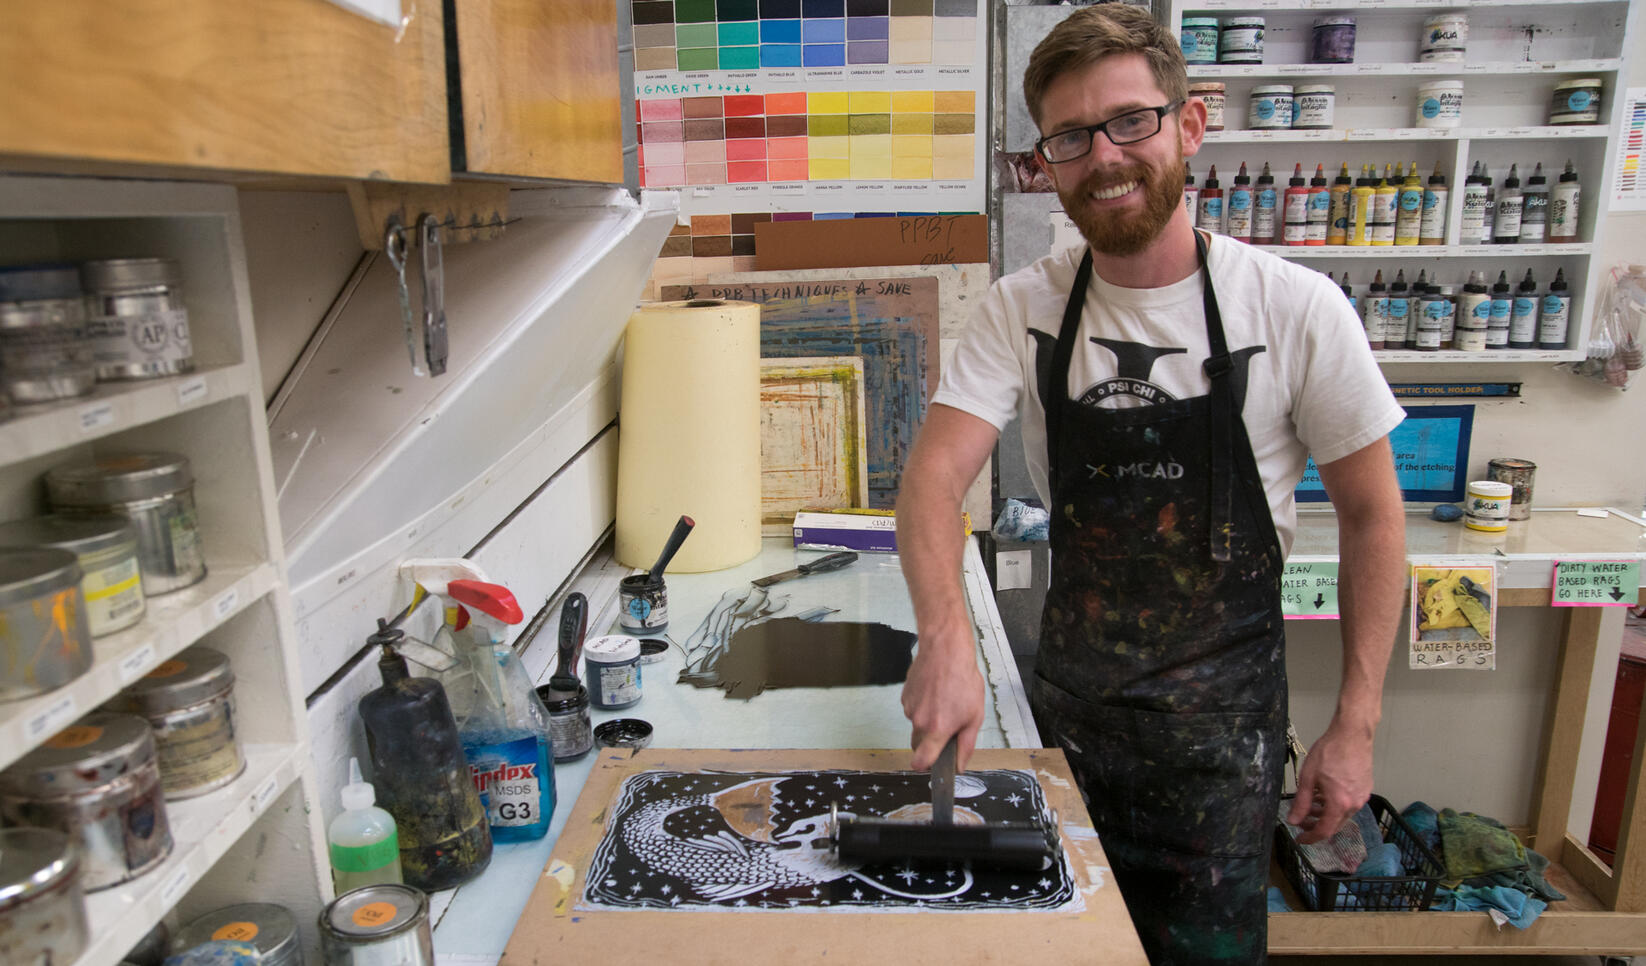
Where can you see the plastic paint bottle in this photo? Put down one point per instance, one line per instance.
(1398, 315)
(1337, 225)
(1211, 204)
(1448, 327)
(1409, 216)
(1384, 206)
(1506, 225)
(1348, 292)
(1320, 209)
(1265, 206)
(1431, 319)
(1563, 202)
(1376, 319)
(1191, 194)
(1414, 307)
(1360, 208)
(1534, 208)
(1240, 206)
(1497, 324)
(362, 842)
(1296, 231)
(1474, 311)
(1523, 328)
(1557, 313)
(1432, 227)
(1476, 227)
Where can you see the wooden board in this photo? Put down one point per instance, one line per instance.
(862, 242)
(812, 445)
(555, 929)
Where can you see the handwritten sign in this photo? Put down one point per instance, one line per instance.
(1453, 617)
(1308, 591)
(1595, 583)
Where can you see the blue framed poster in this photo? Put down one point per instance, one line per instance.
(1431, 449)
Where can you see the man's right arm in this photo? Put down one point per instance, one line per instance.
(943, 695)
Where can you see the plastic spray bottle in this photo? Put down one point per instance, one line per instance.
(1295, 229)
(363, 841)
(1265, 205)
(1563, 201)
(1211, 204)
(1320, 209)
(1240, 206)
(1432, 226)
(1337, 222)
(1409, 216)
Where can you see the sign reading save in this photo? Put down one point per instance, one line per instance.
(1596, 583)
(1308, 591)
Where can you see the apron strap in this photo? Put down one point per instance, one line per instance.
(1062, 354)
(1218, 367)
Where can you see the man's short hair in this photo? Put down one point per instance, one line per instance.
(1092, 33)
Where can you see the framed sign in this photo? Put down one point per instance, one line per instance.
(1431, 450)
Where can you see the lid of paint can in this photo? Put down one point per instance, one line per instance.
(195, 675)
(1242, 23)
(1270, 89)
(1199, 22)
(269, 927)
(652, 650)
(121, 274)
(1199, 88)
(375, 912)
(560, 701)
(1511, 463)
(33, 861)
(1316, 89)
(80, 535)
(623, 733)
(96, 750)
(1490, 488)
(611, 649)
(1335, 20)
(1567, 85)
(112, 478)
(29, 573)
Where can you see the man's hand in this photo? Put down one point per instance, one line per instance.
(1334, 782)
(943, 696)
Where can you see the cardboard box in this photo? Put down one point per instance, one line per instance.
(851, 528)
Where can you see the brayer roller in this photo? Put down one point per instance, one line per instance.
(1003, 845)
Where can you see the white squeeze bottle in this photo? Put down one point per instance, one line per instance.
(363, 841)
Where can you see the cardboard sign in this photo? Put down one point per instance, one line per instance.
(1454, 617)
(1308, 591)
(1595, 583)
(871, 242)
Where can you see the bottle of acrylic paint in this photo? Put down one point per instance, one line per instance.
(1506, 226)
(1414, 307)
(1474, 312)
(1265, 207)
(1360, 208)
(1523, 330)
(1563, 202)
(1448, 327)
(1432, 227)
(1240, 206)
(1557, 313)
(1497, 323)
(1337, 225)
(1476, 228)
(1191, 194)
(1296, 230)
(1399, 319)
(1409, 216)
(1534, 208)
(1384, 207)
(1376, 319)
(1320, 209)
(1348, 292)
(1431, 320)
(1211, 204)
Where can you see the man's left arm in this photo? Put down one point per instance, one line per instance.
(1336, 777)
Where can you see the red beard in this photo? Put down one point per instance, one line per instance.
(1117, 232)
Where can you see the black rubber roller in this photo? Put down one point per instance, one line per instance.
(1002, 845)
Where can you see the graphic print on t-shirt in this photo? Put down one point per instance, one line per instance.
(1134, 362)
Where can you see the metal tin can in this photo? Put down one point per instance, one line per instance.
(611, 669)
(153, 490)
(1519, 474)
(1445, 38)
(1439, 104)
(1198, 38)
(189, 702)
(138, 326)
(106, 546)
(1313, 107)
(569, 725)
(1240, 41)
(42, 907)
(377, 925)
(98, 781)
(265, 925)
(1486, 506)
(44, 354)
(1576, 102)
(1212, 93)
(1333, 40)
(1270, 107)
(45, 638)
(643, 604)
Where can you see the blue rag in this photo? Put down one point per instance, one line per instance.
(1381, 860)
(1023, 521)
(1424, 823)
(1522, 909)
(1277, 901)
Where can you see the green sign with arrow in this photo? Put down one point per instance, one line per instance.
(1308, 591)
(1596, 583)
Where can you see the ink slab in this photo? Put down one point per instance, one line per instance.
(562, 924)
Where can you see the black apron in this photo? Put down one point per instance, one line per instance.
(1161, 670)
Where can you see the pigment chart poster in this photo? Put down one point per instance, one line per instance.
(812, 105)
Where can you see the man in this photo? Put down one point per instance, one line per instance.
(1171, 387)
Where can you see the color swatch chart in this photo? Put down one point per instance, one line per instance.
(1629, 166)
(700, 35)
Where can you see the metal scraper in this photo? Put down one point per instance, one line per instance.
(821, 565)
(943, 783)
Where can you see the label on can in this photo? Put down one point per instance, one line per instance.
(506, 774)
(1487, 507)
(78, 736)
(619, 683)
(241, 931)
(374, 914)
(114, 595)
(157, 341)
(644, 611)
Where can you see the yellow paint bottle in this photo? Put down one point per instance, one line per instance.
(1384, 206)
(1360, 209)
(1409, 209)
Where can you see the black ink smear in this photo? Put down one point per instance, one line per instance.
(789, 652)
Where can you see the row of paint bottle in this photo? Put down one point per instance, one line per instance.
(1430, 317)
(1520, 214)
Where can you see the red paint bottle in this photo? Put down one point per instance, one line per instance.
(1296, 218)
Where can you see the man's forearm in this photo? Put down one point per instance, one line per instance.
(1371, 592)
(930, 546)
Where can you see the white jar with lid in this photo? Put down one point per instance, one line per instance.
(1445, 38)
(1313, 107)
(1486, 506)
(1212, 94)
(1240, 41)
(1439, 104)
(1575, 102)
(1270, 107)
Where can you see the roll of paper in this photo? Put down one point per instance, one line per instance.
(689, 434)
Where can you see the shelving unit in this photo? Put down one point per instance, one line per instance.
(214, 416)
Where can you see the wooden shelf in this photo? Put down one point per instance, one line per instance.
(1284, 136)
(1424, 251)
(1314, 6)
(1596, 65)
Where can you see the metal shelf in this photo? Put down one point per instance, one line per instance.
(1486, 68)
(1283, 136)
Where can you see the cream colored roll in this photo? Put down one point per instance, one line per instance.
(689, 433)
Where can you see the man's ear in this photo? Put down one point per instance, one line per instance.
(1191, 125)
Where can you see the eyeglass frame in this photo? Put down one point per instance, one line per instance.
(1092, 130)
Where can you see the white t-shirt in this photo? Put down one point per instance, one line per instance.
(1311, 384)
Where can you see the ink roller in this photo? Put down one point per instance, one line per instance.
(999, 845)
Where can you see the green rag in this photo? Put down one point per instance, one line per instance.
(1473, 845)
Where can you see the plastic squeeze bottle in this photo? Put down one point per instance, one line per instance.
(1409, 216)
(1211, 204)
(1432, 226)
(1319, 216)
(1239, 221)
(1563, 201)
(1337, 224)
(1534, 207)
(1384, 206)
(1191, 194)
(1295, 223)
(1361, 200)
(1506, 225)
(363, 841)
(1265, 203)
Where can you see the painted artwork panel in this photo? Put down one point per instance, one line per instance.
(716, 841)
(813, 448)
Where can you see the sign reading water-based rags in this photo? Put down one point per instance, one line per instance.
(1596, 583)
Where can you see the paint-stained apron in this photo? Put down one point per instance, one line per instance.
(1161, 669)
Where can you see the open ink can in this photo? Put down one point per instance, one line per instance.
(611, 669)
(643, 602)
(569, 725)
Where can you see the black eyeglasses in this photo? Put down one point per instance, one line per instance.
(1126, 129)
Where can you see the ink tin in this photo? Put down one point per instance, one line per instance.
(1439, 104)
(377, 925)
(1198, 38)
(189, 702)
(1213, 95)
(1240, 41)
(1313, 107)
(1445, 37)
(44, 638)
(44, 355)
(569, 725)
(153, 490)
(1332, 40)
(265, 925)
(1269, 107)
(138, 327)
(1486, 507)
(623, 733)
(643, 604)
(1576, 102)
(611, 669)
(106, 546)
(42, 908)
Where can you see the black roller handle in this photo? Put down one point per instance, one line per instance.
(1016, 845)
(574, 624)
(823, 565)
(682, 527)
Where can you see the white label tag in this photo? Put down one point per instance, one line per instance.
(1014, 569)
(134, 664)
(265, 793)
(173, 889)
(51, 720)
(96, 417)
(191, 390)
(221, 607)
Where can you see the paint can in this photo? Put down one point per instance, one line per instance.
(643, 604)
(265, 925)
(44, 638)
(1270, 107)
(1313, 106)
(44, 355)
(1198, 38)
(1439, 104)
(569, 726)
(1332, 40)
(653, 650)
(377, 925)
(611, 669)
(1519, 474)
(98, 781)
(1213, 95)
(106, 546)
(155, 491)
(1486, 506)
(1240, 41)
(1576, 102)
(624, 733)
(138, 326)
(1445, 37)
(42, 908)
(189, 702)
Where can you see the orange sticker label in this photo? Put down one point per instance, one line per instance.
(168, 668)
(242, 931)
(374, 914)
(76, 736)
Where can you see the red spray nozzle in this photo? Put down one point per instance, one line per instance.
(493, 600)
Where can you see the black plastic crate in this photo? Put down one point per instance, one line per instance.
(1331, 891)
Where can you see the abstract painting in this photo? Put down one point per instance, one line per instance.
(812, 442)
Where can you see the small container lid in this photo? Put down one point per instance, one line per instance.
(1490, 488)
(1315, 89)
(1445, 17)
(1334, 20)
(623, 733)
(29, 573)
(32, 283)
(1200, 21)
(560, 701)
(122, 274)
(82, 535)
(1239, 23)
(1263, 89)
(269, 927)
(88, 754)
(653, 650)
(194, 676)
(1207, 87)
(375, 912)
(1580, 82)
(33, 861)
(612, 649)
(1511, 463)
(112, 478)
